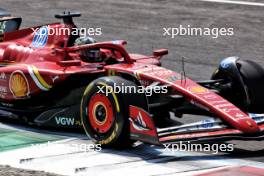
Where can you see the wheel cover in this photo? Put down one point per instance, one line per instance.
(100, 114)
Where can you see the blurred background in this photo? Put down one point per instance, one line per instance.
(141, 23)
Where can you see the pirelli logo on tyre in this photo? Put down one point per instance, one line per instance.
(111, 137)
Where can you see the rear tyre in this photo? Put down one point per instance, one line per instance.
(105, 116)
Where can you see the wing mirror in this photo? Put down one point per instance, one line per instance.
(160, 52)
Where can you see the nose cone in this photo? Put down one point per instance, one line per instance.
(248, 126)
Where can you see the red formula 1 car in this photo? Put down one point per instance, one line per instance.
(68, 81)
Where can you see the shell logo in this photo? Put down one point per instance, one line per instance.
(198, 89)
(18, 84)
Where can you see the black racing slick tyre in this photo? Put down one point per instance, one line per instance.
(105, 112)
(252, 75)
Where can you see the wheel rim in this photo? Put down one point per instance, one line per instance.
(100, 114)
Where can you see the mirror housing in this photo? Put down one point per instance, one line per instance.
(160, 52)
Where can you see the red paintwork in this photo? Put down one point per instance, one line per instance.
(55, 61)
(17, 53)
(203, 97)
(134, 114)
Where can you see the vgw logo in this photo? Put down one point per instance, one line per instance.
(64, 121)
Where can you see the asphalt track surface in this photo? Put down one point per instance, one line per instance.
(141, 23)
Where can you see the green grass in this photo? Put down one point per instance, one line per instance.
(12, 139)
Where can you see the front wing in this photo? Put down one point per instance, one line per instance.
(143, 128)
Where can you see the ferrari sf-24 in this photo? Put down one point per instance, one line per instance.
(67, 81)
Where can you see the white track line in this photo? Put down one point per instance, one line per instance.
(236, 2)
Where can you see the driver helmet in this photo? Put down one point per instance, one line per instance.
(88, 55)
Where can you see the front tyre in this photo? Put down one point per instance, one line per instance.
(247, 83)
(104, 113)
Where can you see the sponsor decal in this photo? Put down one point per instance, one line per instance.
(208, 123)
(65, 121)
(219, 101)
(163, 73)
(2, 30)
(18, 84)
(227, 110)
(111, 73)
(166, 74)
(54, 78)
(37, 78)
(139, 124)
(159, 72)
(224, 105)
(2, 76)
(40, 37)
(2, 27)
(137, 74)
(78, 123)
(210, 97)
(111, 137)
(198, 89)
(239, 115)
(3, 91)
(249, 123)
(7, 104)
